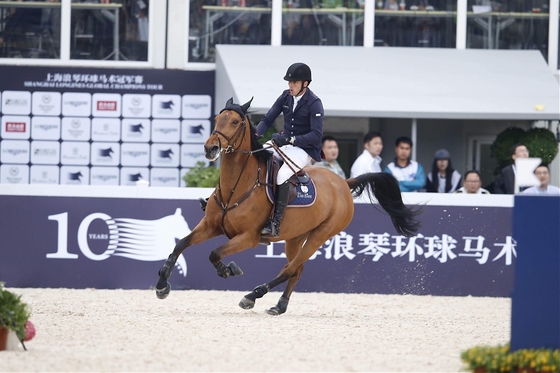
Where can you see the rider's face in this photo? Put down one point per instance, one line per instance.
(295, 87)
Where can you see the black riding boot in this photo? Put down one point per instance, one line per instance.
(272, 227)
(203, 202)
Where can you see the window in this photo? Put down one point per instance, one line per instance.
(226, 22)
(420, 23)
(508, 25)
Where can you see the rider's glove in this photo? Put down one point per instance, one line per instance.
(281, 140)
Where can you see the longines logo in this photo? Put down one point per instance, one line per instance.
(196, 106)
(15, 152)
(76, 104)
(135, 153)
(143, 240)
(165, 179)
(47, 127)
(166, 131)
(104, 178)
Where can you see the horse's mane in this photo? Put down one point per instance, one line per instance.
(262, 155)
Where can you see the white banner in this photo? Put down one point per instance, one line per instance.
(166, 106)
(195, 131)
(46, 103)
(136, 106)
(74, 175)
(76, 104)
(166, 130)
(76, 129)
(15, 127)
(44, 175)
(196, 106)
(104, 176)
(16, 102)
(74, 153)
(45, 152)
(105, 154)
(136, 130)
(165, 155)
(14, 174)
(105, 129)
(15, 151)
(164, 177)
(135, 155)
(45, 128)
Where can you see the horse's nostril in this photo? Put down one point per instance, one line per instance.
(214, 149)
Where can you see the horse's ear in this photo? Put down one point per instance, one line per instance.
(247, 105)
(229, 102)
(178, 211)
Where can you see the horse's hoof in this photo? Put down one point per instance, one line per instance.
(234, 269)
(163, 293)
(274, 311)
(246, 303)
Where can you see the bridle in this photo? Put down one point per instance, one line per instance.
(232, 141)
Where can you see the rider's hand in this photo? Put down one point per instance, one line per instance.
(280, 139)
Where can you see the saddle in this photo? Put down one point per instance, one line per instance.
(301, 186)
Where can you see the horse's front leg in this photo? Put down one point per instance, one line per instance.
(235, 245)
(202, 232)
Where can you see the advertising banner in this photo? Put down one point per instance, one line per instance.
(80, 242)
(108, 126)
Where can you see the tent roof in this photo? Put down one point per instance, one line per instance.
(396, 82)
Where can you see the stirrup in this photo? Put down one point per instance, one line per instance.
(271, 229)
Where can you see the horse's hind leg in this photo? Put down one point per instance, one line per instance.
(293, 247)
(202, 232)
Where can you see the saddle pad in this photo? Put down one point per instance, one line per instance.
(305, 195)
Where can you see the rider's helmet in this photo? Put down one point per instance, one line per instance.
(298, 71)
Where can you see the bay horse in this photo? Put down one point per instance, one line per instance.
(239, 208)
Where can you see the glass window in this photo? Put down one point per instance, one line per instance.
(110, 30)
(226, 22)
(508, 25)
(417, 23)
(314, 22)
(30, 29)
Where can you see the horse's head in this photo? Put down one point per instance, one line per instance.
(229, 130)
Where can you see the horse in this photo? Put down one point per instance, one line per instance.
(239, 208)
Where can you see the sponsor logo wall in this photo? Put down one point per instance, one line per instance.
(102, 127)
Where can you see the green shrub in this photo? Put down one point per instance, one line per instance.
(202, 176)
(13, 312)
(539, 141)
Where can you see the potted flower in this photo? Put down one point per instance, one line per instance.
(14, 316)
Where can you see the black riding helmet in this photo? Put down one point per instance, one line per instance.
(298, 71)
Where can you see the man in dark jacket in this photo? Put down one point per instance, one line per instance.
(302, 135)
(506, 181)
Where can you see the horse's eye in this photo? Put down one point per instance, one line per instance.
(235, 122)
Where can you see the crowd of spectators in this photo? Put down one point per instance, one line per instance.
(442, 178)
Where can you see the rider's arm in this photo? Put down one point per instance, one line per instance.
(272, 114)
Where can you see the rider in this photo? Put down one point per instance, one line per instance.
(301, 138)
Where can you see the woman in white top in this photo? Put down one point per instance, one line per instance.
(443, 178)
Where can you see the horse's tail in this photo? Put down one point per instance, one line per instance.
(385, 188)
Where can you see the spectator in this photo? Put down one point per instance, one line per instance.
(543, 174)
(409, 173)
(506, 181)
(443, 178)
(369, 160)
(471, 184)
(330, 149)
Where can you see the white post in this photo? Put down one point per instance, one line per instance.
(369, 23)
(276, 22)
(461, 41)
(414, 137)
(554, 9)
(65, 42)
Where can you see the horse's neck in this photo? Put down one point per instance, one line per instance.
(239, 172)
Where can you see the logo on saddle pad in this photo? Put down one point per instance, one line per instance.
(305, 194)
